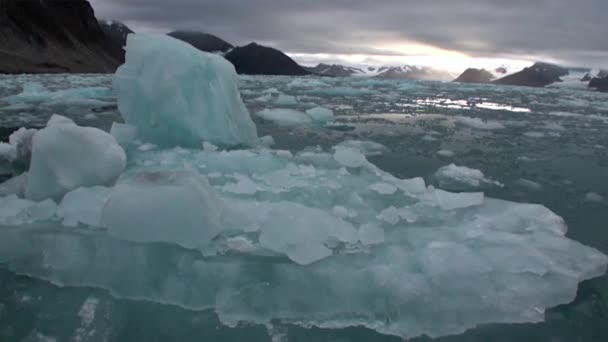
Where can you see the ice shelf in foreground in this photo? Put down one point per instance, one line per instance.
(66, 156)
(177, 95)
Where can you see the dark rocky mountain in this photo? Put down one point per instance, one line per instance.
(255, 59)
(538, 75)
(472, 75)
(599, 83)
(202, 41)
(415, 73)
(116, 31)
(54, 36)
(335, 70)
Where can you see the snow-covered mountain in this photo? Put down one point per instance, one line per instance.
(416, 73)
(406, 72)
(335, 70)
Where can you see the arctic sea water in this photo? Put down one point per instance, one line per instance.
(370, 210)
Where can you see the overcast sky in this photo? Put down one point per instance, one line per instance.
(573, 32)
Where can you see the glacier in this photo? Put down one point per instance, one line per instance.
(316, 236)
(196, 99)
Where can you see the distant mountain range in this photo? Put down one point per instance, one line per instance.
(38, 36)
(41, 36)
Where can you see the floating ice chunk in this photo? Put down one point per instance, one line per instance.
(123, 133)
(450, 201)
(320, 114)
(83, 205)
(383, 188)
(528, 184)
(392, 215)
(349, 158)
(267, 141)
(594, 197)
(17, 211)
(14, 186)
(195, 99)
(263, 98)
(286, 100)
(367, 147)
(553, 126)
(478, 123)
(306, 83)
(66, 156)
(243, 186)
(371, 234)
(453, 177)
(172, 207)
(285, 117)
(534, 134)
(446, 153)
(16, 155)
(209, 147)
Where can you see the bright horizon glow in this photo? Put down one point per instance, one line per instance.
(452, 63)
(411, 53)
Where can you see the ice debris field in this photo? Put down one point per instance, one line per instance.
(307, 236)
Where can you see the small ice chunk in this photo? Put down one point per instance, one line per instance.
(209, 147)
(177, 95)
(243, 186)
(594, 197)
(123, 133)
(267, 141)
(171, 207)
(454, 177)
(528, 184)
(446, 153)
(83, 205)
(451, 201)
(367, 147)
(534, 134)
(286, 100)
(66, 156)
(478, 123)
(349, 158)
(320, 114)
(17, 211)
(263, 98)
(371, 234)
(383, 188)
(285, 117)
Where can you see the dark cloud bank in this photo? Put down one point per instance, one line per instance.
(566, 31)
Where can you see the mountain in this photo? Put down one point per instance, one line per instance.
(116, 31)
(472, 75)
(202, 41)
(42, 36)
(538, 75)
(255, 59)
(599, 83)
(416, 73)
(335, 70)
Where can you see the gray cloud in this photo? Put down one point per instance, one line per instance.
(572, 32)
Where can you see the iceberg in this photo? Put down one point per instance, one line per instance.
(177, 95)
(66, 156)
